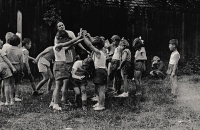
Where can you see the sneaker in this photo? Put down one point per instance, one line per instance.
(36, 93)
(51, 104)
(126, 94)
(98, 108)
(17, 99)
(56, 107)
(94, 98)
(96, 105)
(6, 104)
(2, 103)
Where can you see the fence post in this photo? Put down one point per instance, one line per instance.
(183, 38)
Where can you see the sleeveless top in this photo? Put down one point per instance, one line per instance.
(128, 57)
(101, 62)
(59, 55)
(175, 56)
(49, 56)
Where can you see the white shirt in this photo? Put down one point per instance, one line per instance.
(117, 54)
(99, 62)
(60, 55)
(140, 54)
(174, 58)
(6, 46)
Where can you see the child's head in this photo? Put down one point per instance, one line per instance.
(137, 44)
(173, 44)
(124, 44)
(1, 44)
(98, 43)
(62, 36)
(60, 26)
(14, 40)
(88, 63)
(115, 39)
(8, 36)
(26, 43)
(155, 60)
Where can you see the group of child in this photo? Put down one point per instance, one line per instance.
(103, 62)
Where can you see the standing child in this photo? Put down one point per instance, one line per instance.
(7, 76)
(125, 65)
(140, 58)
(15, 56)
(44, 60)
(60, 69)
(100, 74)
(26, 45)
(173, 66)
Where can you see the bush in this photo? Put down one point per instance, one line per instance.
(190, 66)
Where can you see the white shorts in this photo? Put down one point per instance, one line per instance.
(43, 65)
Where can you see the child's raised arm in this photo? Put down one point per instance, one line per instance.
(65, 44)
(89, 44)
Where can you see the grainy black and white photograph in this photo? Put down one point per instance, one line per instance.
(99, 64)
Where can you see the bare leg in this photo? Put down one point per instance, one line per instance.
(56, 92)
(50, 81)
(8, 84)
(45, 76)
(65, 90)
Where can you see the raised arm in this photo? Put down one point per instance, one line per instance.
(89, 44)
(65, 44)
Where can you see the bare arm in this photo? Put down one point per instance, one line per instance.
(9, 63)
(123, 60)
(60, 45)
(25, 60)
(89, 44)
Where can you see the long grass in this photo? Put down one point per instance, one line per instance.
(156, 111)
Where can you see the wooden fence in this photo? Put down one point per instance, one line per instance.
(156, 27)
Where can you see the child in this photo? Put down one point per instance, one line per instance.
(7, 76)
(140, 58)
(44, 59)
(80, 72)
(125, 65)
(15, 56)
(158, 68)
(26, 45)
(115, 72)
(100, 74)
(60, 69)
(173, 66)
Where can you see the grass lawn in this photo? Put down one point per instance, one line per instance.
(157, 111)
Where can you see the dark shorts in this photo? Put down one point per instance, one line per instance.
(5, 71)
(77, 82)
(140, 66)
(126, 69)
(62, 70)
(100, 76)
(115, 64)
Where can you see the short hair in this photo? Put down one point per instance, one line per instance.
(98, 42)
(116, 38)
(62, 34)
(14, 40)
(174, 42)
(124, 42)
(137, 43)
(8, 36)
(26, 41)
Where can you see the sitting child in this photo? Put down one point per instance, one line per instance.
(158, 68)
